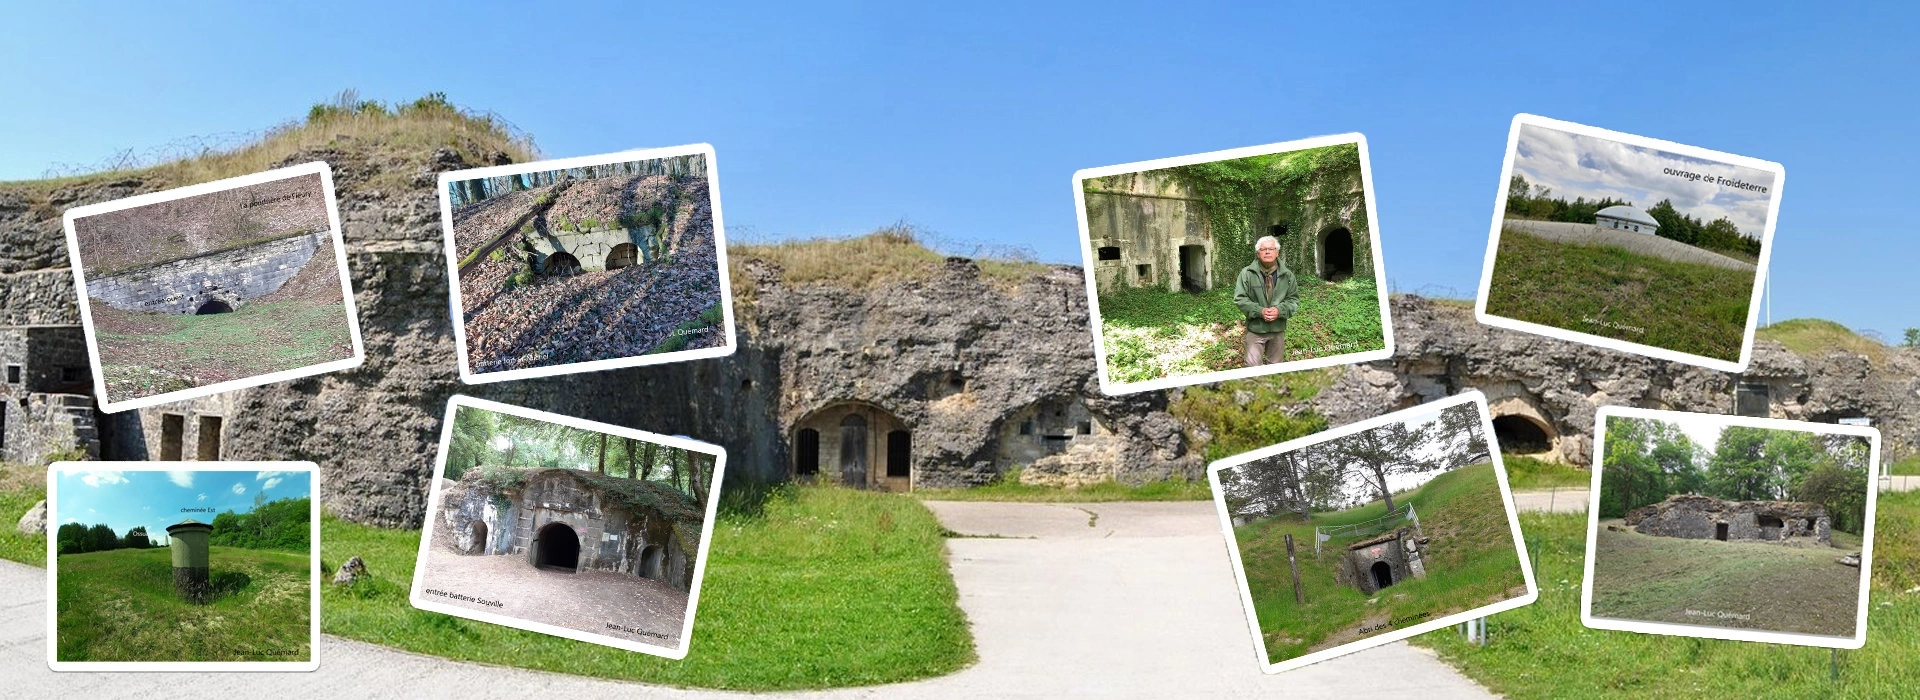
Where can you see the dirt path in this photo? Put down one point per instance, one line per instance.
(1140, 604)
(600, 602)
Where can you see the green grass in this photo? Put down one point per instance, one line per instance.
(21, 487)
(1909, 466)
(1236, 416)
(826, 587)
(709, 321)
(1009, 489)
(147, 353)
(1542, 650)
(1660, 579)
(1471, 562)
(1814, 336)
(1153, 333)
(1609, 292)
(1527, 473)
(120, 605)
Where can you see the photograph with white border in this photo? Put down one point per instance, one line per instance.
(1372, 532)
(1630, 243)
(1233, 264)
(587, 264)
(183, 566)
(201, 290)
(1729, 527)
(568, 527)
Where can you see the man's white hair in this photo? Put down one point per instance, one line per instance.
(1265, 240)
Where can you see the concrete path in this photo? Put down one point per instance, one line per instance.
(1141, 603)
(1569, 499)
(1899, 483)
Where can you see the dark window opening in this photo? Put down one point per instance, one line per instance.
(13, 374)
(1055, 443)
(1751, 400)
(1520, 434)
(208, 449)
(1720, 531)
(213, 306)
(1086, 427)
(899, 450)
(1110, 252)
(1026, 427)
(807, 462)
(1770, 527)
(746, 384)
(1382, 575)
(172, 426)
(557, 548)
(1278, 231)
(1143, 273)
(73, 374)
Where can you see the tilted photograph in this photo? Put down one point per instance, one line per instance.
(183, 566)
(568, 527)
(1233, 264)
(214, 287)
(587, 263)
(1630, 243)
(1373, 533)
(1732, 528)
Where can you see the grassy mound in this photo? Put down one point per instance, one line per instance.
(892, 253)
(1612, 293)
(788, 602)
(1815, 336)
(120, 605)
(1471, 562)
(1542, 650)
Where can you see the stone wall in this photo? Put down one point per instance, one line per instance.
(46, 402)
(234, 276)
(1154, 231)
(591, 247)
(1706, 518)
(1401, 551)
(611, 536)
(1441, 351)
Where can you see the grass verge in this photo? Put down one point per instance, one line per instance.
(21, 487)
(789, 602)
(1907, 467)
(1009, 489)
(1471, 562)
(120, 605)
(1527, 473)
(1612, 293)
(1542, 650)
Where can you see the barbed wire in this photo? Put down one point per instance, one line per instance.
(178, 149)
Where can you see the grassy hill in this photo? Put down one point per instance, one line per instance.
(1471, 562)
(1613, 293)
(1647, 577)
(120, 605)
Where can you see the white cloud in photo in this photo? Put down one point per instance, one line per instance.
(182, 479)
(239, 489)
(1576, 165)
(263, 476)
(102, 478)
(275, 481)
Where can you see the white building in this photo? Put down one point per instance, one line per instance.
(1625, 218)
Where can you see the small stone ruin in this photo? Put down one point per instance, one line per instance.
(1704, 517)
(1384, 560)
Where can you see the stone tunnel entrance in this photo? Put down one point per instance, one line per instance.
(856, 444)
(556, 547)
(560, 264)
(1335, 254)
(477, 537)
(623, 255)
(1382, 575)
(1193, 268)
(213, 306)
(653, 562)
(1522, 434)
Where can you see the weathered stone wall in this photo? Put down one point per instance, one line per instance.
(1400, 550)
(591, 247)
(611, 537)
(234, 276)
(46, 403)
(1149, 217)
(44, 425)
(1441, 351)
(1702, 518)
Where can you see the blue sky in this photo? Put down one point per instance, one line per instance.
(969, 119)
(156, 499)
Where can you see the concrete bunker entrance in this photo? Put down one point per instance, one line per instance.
(623, 255)
(1720, 531)
(213, 306)
(653, 562)
(477, 537)
(1770, 526)
(1382, 574)
(557, 548)
(1193, 268)
(857, 444)
(1335, 254)
(560, 264)
(1522, 434)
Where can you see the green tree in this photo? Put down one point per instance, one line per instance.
(1738, 470)
(101, 538)
(1913, 338)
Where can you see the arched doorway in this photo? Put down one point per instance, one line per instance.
(653, 562)
(560, 264)
(623, 255)
(853, 450)
(477, 537)
(1335, 251)
(213, 306)
(1382, 575)
(899, 454)
(557, 548)
(1521, 434)
(806, 458)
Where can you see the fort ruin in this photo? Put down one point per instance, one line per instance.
(1696, 517)
(571, 520)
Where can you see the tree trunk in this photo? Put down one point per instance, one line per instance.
(1380, 476)
(646, 463)
(629, 443)
(603, 454)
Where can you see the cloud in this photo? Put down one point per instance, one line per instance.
(263, 476)
(275, 481)
(201, 498)
(239, 489)
(182, 479)
(1576, 165)
(102, 478)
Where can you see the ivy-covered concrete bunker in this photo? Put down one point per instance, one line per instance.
(1704, 517)
(1193, 227)
(572, 520)
(1384, 560)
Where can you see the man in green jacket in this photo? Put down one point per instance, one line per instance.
(1267, 293)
